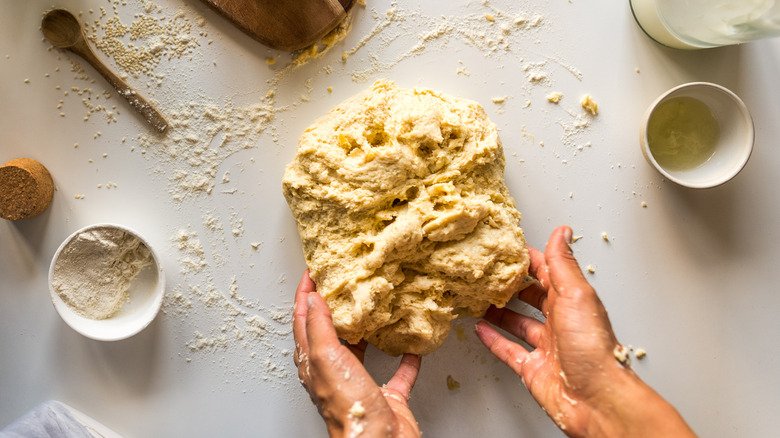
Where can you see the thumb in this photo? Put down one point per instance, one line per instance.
(564, 271)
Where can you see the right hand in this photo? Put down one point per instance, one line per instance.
(574, 371)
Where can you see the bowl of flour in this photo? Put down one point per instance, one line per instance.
(106, 282)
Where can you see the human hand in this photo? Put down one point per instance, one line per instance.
(577, 370)
(346, 396)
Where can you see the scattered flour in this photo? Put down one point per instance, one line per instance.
(573, 127)
(193, 256)
(495, 37)
(239, 328)
(202, 135)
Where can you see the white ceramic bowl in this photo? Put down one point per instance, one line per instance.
(146, 295)
(735, 143)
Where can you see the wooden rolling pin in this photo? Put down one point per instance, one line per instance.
(26, 189)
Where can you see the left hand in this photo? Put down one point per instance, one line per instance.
(346, 396)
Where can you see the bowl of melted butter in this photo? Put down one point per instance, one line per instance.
(698, 135)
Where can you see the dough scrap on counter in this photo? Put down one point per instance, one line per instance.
(589, 104)
(555, 97)
(404, 216)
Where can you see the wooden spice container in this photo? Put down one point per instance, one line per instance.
(26, 189)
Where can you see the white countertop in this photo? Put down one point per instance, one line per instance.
(689, 278)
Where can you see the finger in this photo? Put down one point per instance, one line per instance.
(536, 296)
(403, 380)
(538, 267)
(508, 352)
(305, 287)
(565, 274)
(331, 363)
(526, 328)
(320, 332)
(359, 349)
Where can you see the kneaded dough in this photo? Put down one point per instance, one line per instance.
(404, 216)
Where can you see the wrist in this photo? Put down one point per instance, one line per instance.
(631, 408)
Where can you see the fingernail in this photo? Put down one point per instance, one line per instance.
(567, 234)
(310, 300)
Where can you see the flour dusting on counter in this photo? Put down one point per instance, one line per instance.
(237, 327)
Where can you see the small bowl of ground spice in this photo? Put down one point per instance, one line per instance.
(106, 282)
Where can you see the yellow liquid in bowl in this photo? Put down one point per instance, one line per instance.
(682, 133)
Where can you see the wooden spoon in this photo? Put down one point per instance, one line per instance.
(63, 30)
(284, 24)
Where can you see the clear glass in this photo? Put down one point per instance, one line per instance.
(711, 23)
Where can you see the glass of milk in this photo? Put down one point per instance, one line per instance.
(699, 24)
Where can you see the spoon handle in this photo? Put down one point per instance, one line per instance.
(150, 113)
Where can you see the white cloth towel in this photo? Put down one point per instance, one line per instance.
(50, 419)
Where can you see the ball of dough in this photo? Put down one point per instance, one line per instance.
(404, 216)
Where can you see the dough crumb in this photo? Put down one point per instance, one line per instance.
(357, 410)
(640, 353)
(462, 71)
(555, 97)
(452, 384)
(621, 354)
(589, 104)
